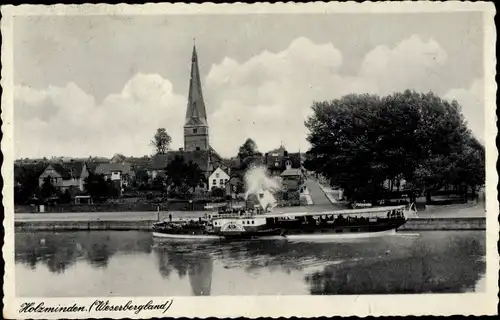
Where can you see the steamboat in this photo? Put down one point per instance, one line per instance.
(247, 225)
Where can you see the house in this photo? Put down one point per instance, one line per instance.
(279, 160)
(292, 178)
(218, 179)
(120, 172)
(65, 175)
(234, 186)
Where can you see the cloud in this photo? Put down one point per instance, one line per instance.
(413, 63)
(267, 98)
(473, 103)
(66, 121)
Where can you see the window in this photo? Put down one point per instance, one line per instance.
(195, 130)
(225, 181)
(253, 222)
(217, 175)
(214, 181)
(221, 181)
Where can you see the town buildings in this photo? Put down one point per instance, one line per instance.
(65, 175)
(120, 174)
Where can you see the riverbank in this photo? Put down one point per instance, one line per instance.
(417, 224)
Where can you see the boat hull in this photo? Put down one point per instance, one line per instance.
(338, 236)
(290, 235)
(157, 234)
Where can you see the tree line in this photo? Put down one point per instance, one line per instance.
(361, 140)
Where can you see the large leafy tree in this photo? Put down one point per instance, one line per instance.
(161, 141)
(194, 175)
(48, 189)
(359, 141)
(141, 177)
(183, 176)
(26, 181)
(96, 186)
(248, 149)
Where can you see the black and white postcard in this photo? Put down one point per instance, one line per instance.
(228, 160)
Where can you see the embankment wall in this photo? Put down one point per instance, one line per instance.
(473, 223)
(419, 224)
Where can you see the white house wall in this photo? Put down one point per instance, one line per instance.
(218, 179)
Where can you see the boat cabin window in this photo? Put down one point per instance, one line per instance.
(252, 222)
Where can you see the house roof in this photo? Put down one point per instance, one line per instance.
(221, 169)
(74, 168)
(107, 168)
(291, 172)
(294, 158)
(93, 164)
(138, 162)
(235, 180)
(200, 157)
(118, 158)
(69, 170)
(280, 151)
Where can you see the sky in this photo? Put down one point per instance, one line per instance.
(100, 85)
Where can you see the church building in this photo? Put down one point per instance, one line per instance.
(196, 132)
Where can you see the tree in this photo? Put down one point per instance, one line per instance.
(158, 183)
(194, 176)
(183, 176)
(360, 141)
(113, 189)
(217, 192)
(96, 186)
(175, 172)
(26, 181)
(47, 190)
(141, 177)
(248, 149)
(161, 141)
(65, 197)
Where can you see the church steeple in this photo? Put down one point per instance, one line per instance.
(196, 125)
(195, 113)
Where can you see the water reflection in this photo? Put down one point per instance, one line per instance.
(455, 265)
(198, 267)
(431, 262)
(59, 251)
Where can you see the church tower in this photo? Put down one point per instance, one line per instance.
(196, 125)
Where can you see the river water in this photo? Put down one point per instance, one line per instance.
(130, 263)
